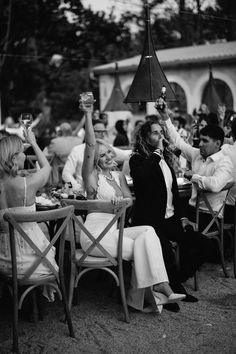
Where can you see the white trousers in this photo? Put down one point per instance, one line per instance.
(140, 244)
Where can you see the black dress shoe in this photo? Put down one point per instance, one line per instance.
(172, 307)
(190, 298)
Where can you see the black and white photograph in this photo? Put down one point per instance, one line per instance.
(117, 176)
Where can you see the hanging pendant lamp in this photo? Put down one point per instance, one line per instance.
(212, 99)
(116, 100)
(149, 77)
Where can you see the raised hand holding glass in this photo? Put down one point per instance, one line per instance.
(26, 119)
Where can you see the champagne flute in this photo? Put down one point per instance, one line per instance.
(26, 119)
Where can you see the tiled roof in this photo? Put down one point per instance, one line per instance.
(178, 56)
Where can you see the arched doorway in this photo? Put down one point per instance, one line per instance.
(223, 92)
(181, 101)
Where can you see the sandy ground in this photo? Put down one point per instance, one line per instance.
(208, 326)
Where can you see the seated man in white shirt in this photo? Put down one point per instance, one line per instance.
(211, 168)
(72, 171)
(63, 144)
(230, 151)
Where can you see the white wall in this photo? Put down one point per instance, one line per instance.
(191, 78)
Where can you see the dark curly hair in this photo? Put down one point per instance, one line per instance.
(141, 144)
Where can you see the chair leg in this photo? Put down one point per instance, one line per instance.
(122, 292)
(196, 283)
(15, 318)
(35, 306)
(222, 257)
(39, 304)
(234, 251)
(71, 290)
(66, 307)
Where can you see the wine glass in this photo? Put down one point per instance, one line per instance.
(87, 98)
(26, 119)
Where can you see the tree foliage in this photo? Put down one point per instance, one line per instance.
(48, 47)
(33, 31)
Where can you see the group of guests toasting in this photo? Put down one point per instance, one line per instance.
(157, 215)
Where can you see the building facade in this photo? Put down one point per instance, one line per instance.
(187, 70)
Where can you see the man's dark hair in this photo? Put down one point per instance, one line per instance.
(97, 121)
(212, 118)
(213, 132)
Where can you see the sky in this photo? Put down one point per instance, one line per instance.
(120, 6)
(134, 5)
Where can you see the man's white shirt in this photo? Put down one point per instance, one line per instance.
(211, 174)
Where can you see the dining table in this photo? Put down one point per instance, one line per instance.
(184, 187)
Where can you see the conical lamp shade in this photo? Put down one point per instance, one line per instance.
(116, 100)
(149, 77)
(212, 98)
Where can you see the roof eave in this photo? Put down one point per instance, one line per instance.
(167, 64)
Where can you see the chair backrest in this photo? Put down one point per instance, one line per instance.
(202, 195)
(15, 219)
(31, 161)
(106, 207)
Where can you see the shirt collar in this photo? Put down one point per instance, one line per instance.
(215, 157)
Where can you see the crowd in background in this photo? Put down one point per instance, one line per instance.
(63, 144)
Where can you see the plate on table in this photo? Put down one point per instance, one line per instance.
(43, 203)
(41, 207)
(182, 182)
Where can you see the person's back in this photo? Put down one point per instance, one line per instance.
(17, 193)
(62, 146)
(121, 138)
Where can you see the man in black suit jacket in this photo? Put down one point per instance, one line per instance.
(157, 204)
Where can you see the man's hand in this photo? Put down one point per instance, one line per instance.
(188, 175)
(160, 102)
(186, 223)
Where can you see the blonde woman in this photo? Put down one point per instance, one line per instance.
(18, 193)
(140, 244)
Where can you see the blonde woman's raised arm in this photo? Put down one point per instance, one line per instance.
(40, 178)
(90, 142)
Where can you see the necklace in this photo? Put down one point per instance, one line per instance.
(108, 178)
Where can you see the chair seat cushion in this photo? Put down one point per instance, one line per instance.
(90, 259)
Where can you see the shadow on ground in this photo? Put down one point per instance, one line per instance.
(208, 326)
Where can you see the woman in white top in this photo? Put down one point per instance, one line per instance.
(18, 192)
(140, 244)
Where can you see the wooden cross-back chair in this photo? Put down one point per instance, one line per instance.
(231, 229)
(217, 219)
(83, 261)
(55, 279)
(31, 161)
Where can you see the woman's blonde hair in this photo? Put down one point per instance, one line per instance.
(100, 142)
(9, 147)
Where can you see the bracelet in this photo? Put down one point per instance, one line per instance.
(89, 144)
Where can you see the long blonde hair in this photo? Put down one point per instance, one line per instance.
(100, 142)
(9, 147)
